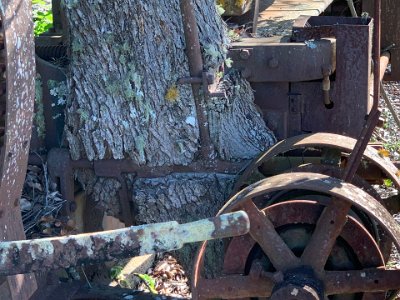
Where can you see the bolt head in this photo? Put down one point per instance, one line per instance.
(244, 54)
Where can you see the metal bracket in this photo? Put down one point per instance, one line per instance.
(211, 84)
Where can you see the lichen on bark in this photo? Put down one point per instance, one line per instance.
(126, 59)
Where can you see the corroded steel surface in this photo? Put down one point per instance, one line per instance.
(310, 182)
(18, 54)
(262, 230)
(320, 140)
(61, 169)
(303, 212)
(234, 287)
(350, 93)
(43, 254)
(324, 184)
(261, 60)
(374, 280)
(334, 216)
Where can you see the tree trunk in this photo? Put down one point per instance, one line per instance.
(125, 103)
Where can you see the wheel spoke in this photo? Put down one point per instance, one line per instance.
(328, 228)
(234, 287)
(376, 280)
(263, 232)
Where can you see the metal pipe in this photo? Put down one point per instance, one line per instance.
(350, 3)
(326, 87)
(377, 53)
(18, 257)
(255, 17)
(193, 52)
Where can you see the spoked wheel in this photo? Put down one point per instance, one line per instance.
(328, 141)
(17, 92)
(279, 258)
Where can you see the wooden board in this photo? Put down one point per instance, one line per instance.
(277, 17)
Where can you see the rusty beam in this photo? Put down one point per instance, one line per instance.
(62, 167)
(25, 256)
(262, 230)
(234, 287)
(373, 280)
(271, 60)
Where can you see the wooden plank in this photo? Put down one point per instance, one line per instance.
(278, 17)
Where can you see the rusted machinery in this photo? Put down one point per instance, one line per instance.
(318, 230)
(310, 234)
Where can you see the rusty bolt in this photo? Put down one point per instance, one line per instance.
(273, 63)
(294, 292)
(244, 54)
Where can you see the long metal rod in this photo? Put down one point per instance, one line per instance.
(193, 52)
(255, 17)
(353, 11)
(25, 256)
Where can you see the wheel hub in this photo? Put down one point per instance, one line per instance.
(299, 284)
(294, 292)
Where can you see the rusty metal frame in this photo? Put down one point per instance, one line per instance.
(61, 169)
(19, 54)
(272, 60)
(203, 288)
(351, 88)
(303, 212)
(323, 140)
(324, 184)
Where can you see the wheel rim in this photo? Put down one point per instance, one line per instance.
(262, 283)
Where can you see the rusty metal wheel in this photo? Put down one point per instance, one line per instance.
(318, 141)
(278, 259)
(17, 92)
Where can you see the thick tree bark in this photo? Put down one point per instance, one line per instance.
(126, 58)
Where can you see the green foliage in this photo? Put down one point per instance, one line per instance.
(388, 183)
(392, 147)
(42, 16)
(220, 9)
(115, 272)
(149, 281)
